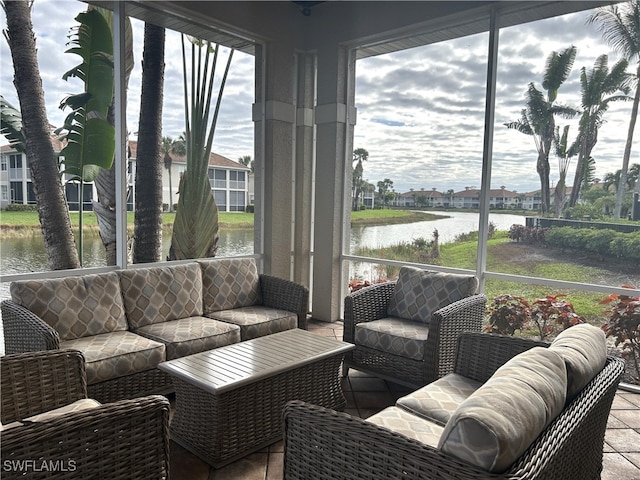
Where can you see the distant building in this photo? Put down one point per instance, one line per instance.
(230, 181)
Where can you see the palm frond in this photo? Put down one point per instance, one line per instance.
(11, 125)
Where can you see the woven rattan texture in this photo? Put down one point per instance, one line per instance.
(338, 446)
(285, 295)
(222, 428)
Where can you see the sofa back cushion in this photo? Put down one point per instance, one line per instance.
(418, 293)
(230, 283)
(75, 307)
(584, 350)
(498, 422)
(161, 294)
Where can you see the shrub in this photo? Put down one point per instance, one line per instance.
(20, 207)
(624, 325)
(507, 313)
(547, 311)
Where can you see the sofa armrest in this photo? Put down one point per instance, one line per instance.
(479, 355)
(285, 295)
(36, 382)
(336, 445)
(366, 305)
(24, 331)
(446, 325)
(120, 440)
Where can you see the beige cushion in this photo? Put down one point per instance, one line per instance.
(74, 306)
(418, 293)
(161, 294)
(496, 424)
(437, 401)
(584, 349)
(230, 283)
(397, 336)
(77, 406)
(400, 421)
(257, 321)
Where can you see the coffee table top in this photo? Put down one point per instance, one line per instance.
(227, 368)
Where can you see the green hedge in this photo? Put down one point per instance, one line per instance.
(601, 242)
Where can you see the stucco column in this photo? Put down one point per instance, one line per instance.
(335, 117)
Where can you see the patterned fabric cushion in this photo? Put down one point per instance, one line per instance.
(116, 354)
(230, 283)
(77, 406)
(393, 335)
(437, 401)
(161, 294)
(191, 335)
(419, 293)
(257, 321)
(497, 423)
(74, 306)
(584, 349)
(400, 421)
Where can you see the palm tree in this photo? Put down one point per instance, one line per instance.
(598, 90)
(41, 159)
(172, 147)
(357, 182)
(564, 154)
(620, 27)
(538, 117)
(195, 229)
(147, 238)
(247, 161)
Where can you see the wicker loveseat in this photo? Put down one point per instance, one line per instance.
(512, 409)
(126, 322)
(407, 330)
(51, 430)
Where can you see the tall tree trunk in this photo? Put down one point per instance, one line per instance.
(147, 243)
(51, 203)
(627, 148)
(543, 169)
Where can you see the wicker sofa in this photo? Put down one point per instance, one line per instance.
(512, 409)
(51, 430)
(126, 322)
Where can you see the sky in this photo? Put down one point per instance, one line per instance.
(420, 111)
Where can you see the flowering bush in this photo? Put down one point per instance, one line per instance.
(624, 325)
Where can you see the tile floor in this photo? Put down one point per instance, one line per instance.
(367, 395)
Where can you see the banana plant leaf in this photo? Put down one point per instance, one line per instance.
(11, 125)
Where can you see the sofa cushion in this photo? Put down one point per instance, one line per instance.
(161, 294)
(230, 283)
(74, 306)
(400, 421)
(187, 336)
(584, 350)
(498, 422)
(77, 406)
(257, 321)
(418, 293)
(116, 354)
(393, 335)
(437, 401)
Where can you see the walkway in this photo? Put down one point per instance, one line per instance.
(367, 395)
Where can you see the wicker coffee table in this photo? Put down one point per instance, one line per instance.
(229, 400)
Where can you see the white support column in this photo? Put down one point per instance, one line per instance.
(335, 117)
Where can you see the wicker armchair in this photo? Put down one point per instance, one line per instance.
(121, 440)
(335, 445)
(435, 336)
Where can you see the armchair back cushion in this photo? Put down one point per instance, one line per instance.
(498, 422)
(584, 350)
(161, 294)
(75, 307)
(418, 293)
(230, 283)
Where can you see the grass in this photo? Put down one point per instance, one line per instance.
(15, 223)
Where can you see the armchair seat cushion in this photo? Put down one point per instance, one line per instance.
(116, 354)
(191, 335)
(400, 421)
(419, 293)
(257, 321)
(437, 401)
(77, 406)
(394, 335)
